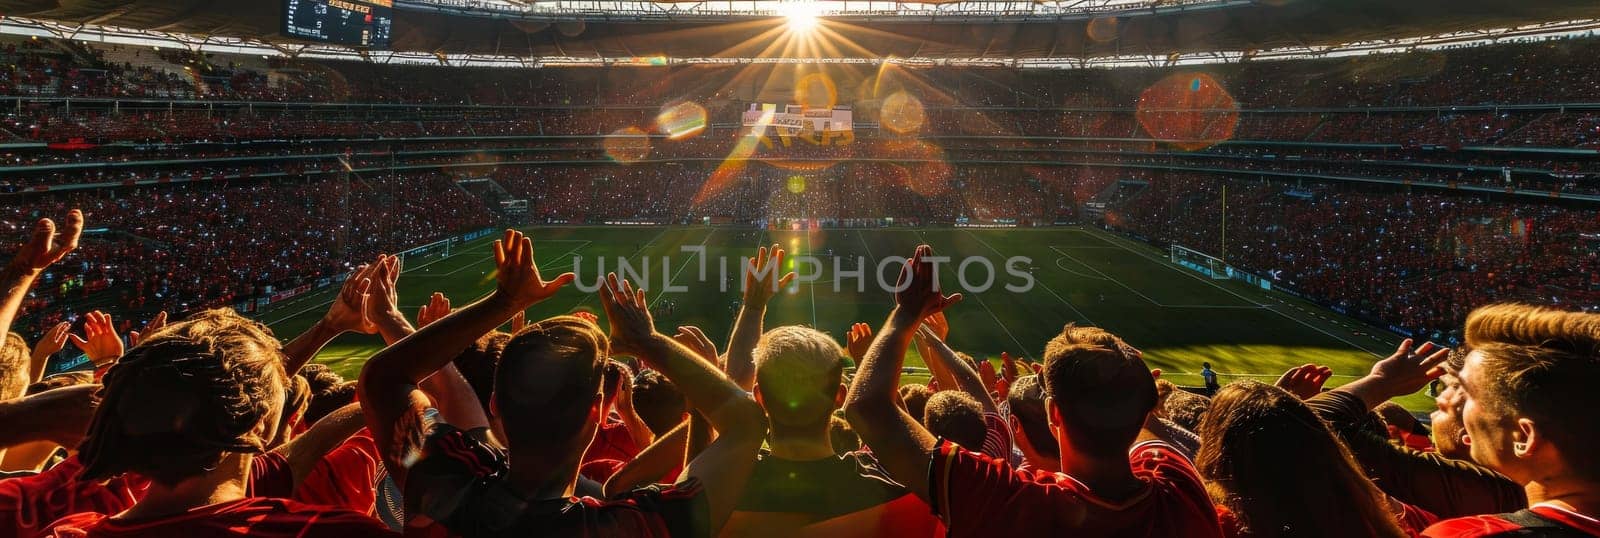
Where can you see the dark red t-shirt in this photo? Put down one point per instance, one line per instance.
(253, 517)
(611, 442)
(347, 477)
(979, 496)
(1560, 520)
(28, 504)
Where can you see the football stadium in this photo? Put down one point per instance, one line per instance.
(484, 268)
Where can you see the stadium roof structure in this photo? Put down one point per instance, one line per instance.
(1011, 30)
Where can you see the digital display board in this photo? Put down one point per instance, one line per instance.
(355, 23)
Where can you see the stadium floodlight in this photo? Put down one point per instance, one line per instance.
(802, 17)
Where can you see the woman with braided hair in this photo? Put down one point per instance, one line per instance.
(188, 409)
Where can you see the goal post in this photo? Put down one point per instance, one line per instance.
(1201, 262)
(430, 252)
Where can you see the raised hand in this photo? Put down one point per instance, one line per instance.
(155, 323)
(52, 341)
(518, 277)
(939, 325)
(45, 246)
(762, 278)
(100, 341)
(696, 340)
(986, 373)
(628, 315)
(383, 295)
(921, 295)
(857, 342)
(1409, 369)
(1304, 381)
(348, 313)
(438, 306)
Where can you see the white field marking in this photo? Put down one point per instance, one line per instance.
(585, 299)
(1020, 347)
(811, 286)
(1168, 265)
(484, 244)
(403, 271)
(870, 257)
(1047, 287)
(685, 265)
(541, 269)
(1253, 305)
(1060, 259)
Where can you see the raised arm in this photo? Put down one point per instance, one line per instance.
(724, 467)
(652, 463)
(306, 449)
(100, 341)
(1438, 484)
(59, 415)
(762, 281)
(347, 313)
(48, 345)
(388, 390)
(902, 445)
(964, 378)
(43, 248)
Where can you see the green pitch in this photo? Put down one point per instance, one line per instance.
(1082, 275)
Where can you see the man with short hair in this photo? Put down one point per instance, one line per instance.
(956, 417)
(1030, 426)
(1524, 384)
(547, 405)
(802, 487)
(658, 402)
(1099, 393)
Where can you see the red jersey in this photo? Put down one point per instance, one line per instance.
(253, 517)
(1540, 520)
(28, 504)
(979, 496)
(612, 442)
(347, 477)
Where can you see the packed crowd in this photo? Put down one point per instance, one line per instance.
(1550, 71)
(1412, 260)
(211, 244)
(574, 425)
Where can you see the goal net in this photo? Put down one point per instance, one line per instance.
(1200, 262)
(431, 252)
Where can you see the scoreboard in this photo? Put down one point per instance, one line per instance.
(355, 23)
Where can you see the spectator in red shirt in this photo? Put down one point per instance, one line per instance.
(187, 409)
(1528, 385)
(547, 405)
(1256, 442)
(1100, 393)
(1030, 425)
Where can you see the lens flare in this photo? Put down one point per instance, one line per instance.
(628, 145)
(1102, 29)
(1189, 111)
(816, 90)
(901, 113)
(797, 184)
(682, 120)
